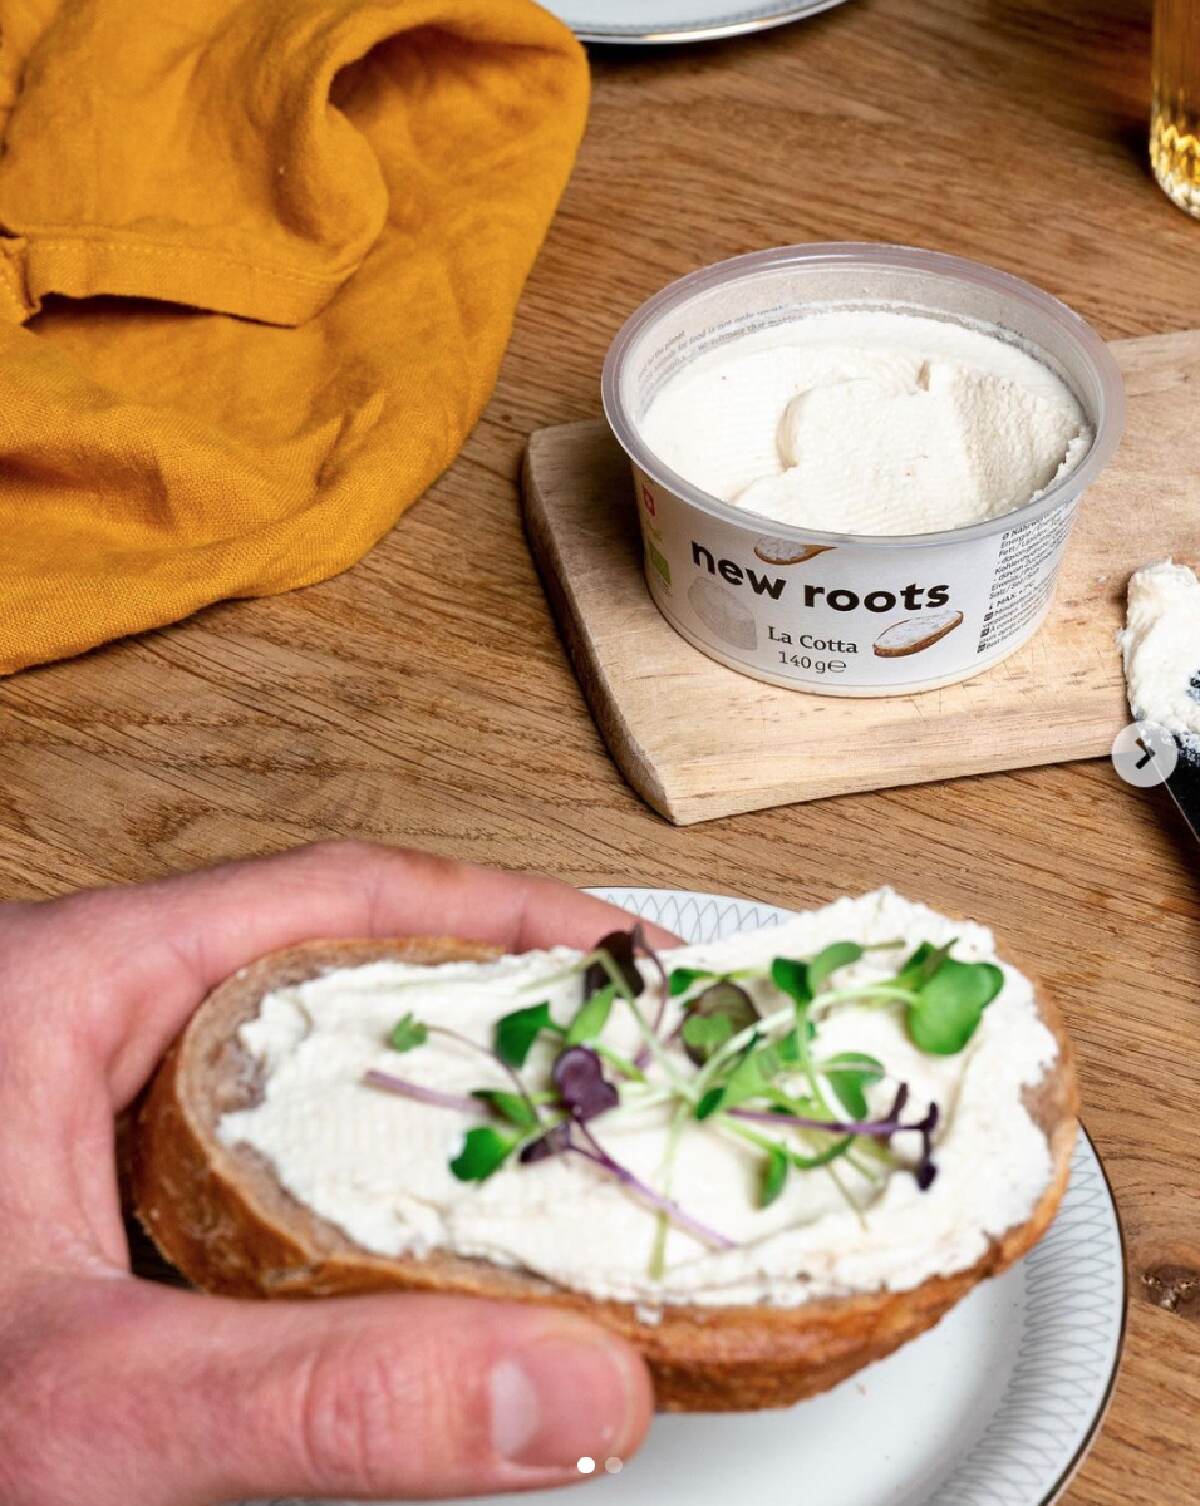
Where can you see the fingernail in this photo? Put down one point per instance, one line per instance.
(564, 1398)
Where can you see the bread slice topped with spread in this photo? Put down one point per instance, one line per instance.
(766, 1161)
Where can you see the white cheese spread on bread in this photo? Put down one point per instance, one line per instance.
(377, 1165)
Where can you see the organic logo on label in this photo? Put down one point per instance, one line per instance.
(659, 561)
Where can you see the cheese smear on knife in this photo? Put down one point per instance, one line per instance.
(870, 422)
(377, 1165)
(1161, 648)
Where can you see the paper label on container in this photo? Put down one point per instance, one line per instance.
(853, 618)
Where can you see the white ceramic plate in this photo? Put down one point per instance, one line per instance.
(650, 21)
(996, 1407)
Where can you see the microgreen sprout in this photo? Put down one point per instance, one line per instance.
(407, 1034)
(714, 1017)
(516, 1033)
(402, 1088)
(585, 1092)
(756, 1069)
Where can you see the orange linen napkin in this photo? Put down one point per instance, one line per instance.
(316, 217)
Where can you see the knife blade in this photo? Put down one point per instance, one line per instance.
(1183, 786)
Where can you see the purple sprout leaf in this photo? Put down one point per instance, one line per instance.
(899, 1103)
(579, 1077)
(925, 1171)
(640, 944)
(620, 947)
(553, 1143)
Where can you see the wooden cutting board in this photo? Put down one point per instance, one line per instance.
(697, 740)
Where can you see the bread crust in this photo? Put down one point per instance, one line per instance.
(218, 1214)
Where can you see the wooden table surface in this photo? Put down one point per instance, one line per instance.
(424, 697)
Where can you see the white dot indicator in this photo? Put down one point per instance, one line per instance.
(613, 1466)
(586, 1465)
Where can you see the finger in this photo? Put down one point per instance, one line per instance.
(134, 963)
(188, 1399)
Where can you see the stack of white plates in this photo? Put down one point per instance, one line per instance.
(647, 21)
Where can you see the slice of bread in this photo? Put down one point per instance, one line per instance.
(915, 634)
(218, 1213)
(775, 551)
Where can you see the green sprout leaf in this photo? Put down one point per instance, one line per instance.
(484, 1152)
(682, 978)
(592, 1017)
(772, 1176)
(709, 1103)
(752, 1073)
(822, 967)
(510, 1106)
(825, 1157)
(922, 965)
(516, 1032)
(751, 1077)
(787, 1051)
(849, 1074)
(724, 1001)
(791, 978)
(949, 1006)
(704, 1034)
(802, 981)
(407, 1034)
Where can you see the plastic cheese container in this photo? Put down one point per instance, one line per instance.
(846, 614)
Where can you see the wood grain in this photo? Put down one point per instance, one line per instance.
(697, 740)
(424, 697)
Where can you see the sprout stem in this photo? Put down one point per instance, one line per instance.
(402, 1088)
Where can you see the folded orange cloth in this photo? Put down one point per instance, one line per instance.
(316, 217)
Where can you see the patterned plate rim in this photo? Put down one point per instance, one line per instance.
(1110, 1389)
(738, 23)
(1083, 1448)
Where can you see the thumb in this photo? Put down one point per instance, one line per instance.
(365, 1397)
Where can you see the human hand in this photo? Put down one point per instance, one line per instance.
(119, 1392)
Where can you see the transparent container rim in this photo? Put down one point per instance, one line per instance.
(1108, 421)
